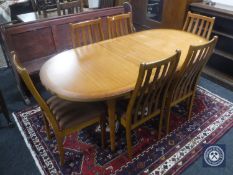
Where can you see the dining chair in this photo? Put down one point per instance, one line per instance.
(148, 98)
(120, 25)
(183, 86)
(86, 32)
(63, 116)
(199, 24)
(69, 7)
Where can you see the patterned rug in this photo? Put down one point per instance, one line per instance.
(212, 117)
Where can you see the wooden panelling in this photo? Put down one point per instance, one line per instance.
(34, 44)
(62, 37)
(173, 15)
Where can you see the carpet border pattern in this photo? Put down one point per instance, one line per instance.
(174, 164)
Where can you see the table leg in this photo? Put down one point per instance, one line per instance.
(111, 114)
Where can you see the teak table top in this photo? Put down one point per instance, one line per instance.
(110, 68)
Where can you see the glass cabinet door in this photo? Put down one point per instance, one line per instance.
(154, 9)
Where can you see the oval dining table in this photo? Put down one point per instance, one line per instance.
(106, 70)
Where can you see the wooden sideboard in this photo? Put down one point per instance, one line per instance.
(220, 65)
(173, 13)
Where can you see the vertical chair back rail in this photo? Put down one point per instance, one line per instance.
(199, 25)
(150, 89)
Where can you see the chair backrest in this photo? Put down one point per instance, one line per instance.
(30, 85)
(199, 25)
(186, 79)
(150, 90)
(69, 7)
(86, 32)
(120, 25)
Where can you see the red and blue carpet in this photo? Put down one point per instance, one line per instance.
(212, 117)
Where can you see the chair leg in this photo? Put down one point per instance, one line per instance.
(167, 115)
(47, 128)
(129, 144)
(60, 149)
(190, 106)
(160, 124)
(103, 132)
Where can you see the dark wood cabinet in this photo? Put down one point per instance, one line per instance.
(220, 65)
(160, 13)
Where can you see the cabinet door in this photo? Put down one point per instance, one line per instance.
(154, 10)
(160, 13)
(147, 13)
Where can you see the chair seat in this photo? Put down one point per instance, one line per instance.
(70, 114)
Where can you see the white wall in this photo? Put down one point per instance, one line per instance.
(227, 2)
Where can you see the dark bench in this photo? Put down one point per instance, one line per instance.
(35, 42)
